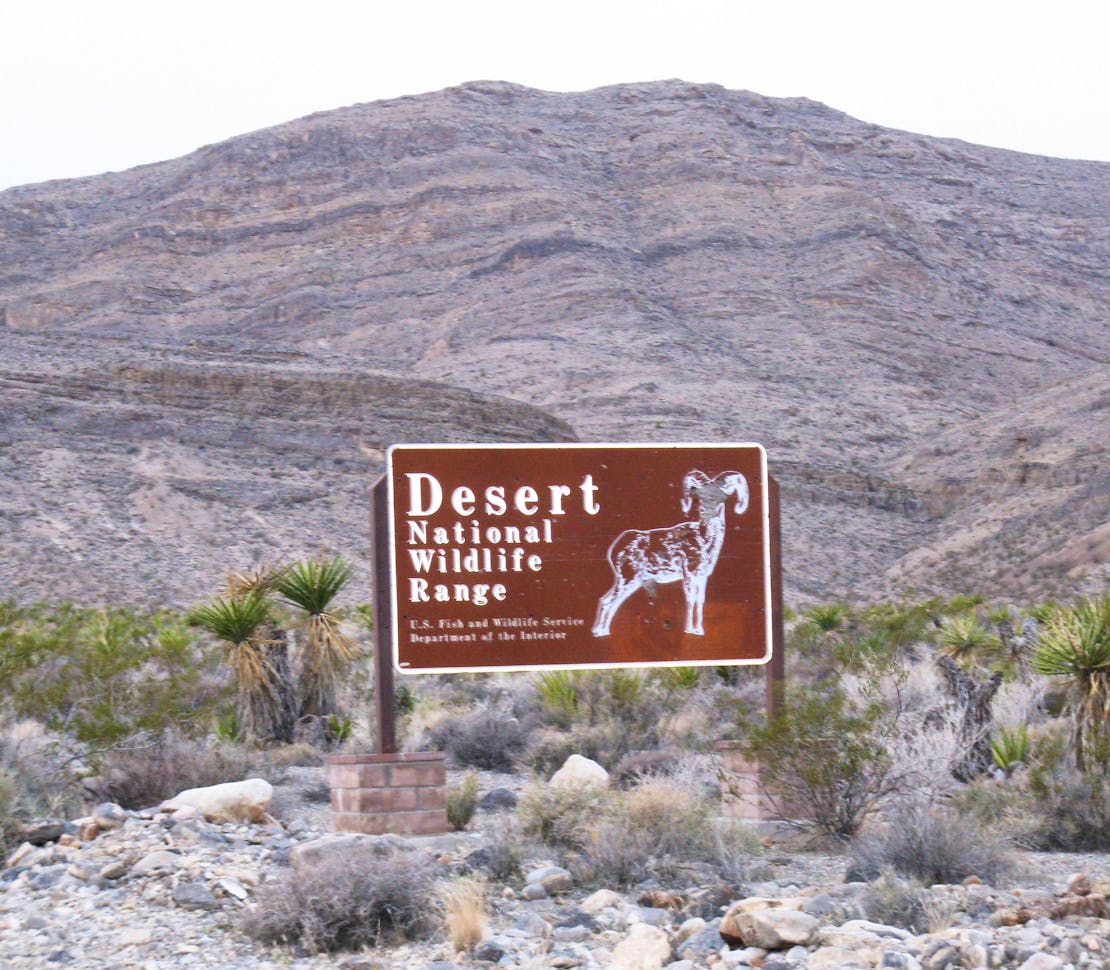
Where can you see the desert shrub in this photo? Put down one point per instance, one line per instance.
(464, 903)
(462, 799)
(504, 851)
(826, 759)
(606, 743)
(643, 764)
(487, 738)
(663, 828)
(104, 676)
(558, 816)
(142, 777)
(598, 698)
(1073, 810)
(932, 844)
(651, 830)
(346, 903)
(894, 901)
(36, 781)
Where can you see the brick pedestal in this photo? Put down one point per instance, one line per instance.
(744, 793)
(405, 794)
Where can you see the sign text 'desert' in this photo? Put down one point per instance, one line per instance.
(542, 556)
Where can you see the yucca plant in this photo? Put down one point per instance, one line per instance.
(311, 585)
(964, 637)
(238, 621)
(1074, 644)
(1010, 746)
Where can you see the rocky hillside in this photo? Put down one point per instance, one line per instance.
(203, 358)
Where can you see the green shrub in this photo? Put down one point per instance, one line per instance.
(105, 675)
(462, 799)
(346, 903)
(825, 761)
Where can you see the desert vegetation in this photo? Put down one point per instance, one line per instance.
(924, 742)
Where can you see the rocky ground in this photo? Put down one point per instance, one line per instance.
(155, 889)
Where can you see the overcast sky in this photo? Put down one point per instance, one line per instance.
(88, 86)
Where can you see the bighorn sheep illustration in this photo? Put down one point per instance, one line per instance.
(686, 551)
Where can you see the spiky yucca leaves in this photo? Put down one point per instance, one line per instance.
(311, 585)
(259, 578)
(240, 622)
(963, 636)
(1074, 644)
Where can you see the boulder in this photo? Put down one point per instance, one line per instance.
(645, 948)
(43, 831)
(108, 816)
(775, 929)
(233, 801)
(579, 772)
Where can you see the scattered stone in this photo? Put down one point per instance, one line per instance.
(195, 895)
(534, 891)
(159, 859)
(554, 879)
(600, 900)
(116, 869)
(43, 831)
(136, 936)
(645, 948)
(108, 816)
(488, 952)
(579, 772)
(233, 801)
(1042, 961)
(498, 800)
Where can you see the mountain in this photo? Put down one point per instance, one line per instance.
(202, 359)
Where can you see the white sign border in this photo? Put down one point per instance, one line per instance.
(516, 446)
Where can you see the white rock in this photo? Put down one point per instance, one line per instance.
(695, 924)
(233, 801)
(645, 948)
(601, 900)
(776, 929)
(579, 772)
(1042, 961)
(158, 859)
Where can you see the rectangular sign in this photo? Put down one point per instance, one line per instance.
(542, 556)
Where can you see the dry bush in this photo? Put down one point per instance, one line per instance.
(504, 851)
(635, 767)
(361, 899)
(490, 738)
(605, 743)
(558, 816)
(464, 904)
(666, 828)
(142, 777)
(933, 844)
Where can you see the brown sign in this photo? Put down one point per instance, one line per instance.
(541, 556)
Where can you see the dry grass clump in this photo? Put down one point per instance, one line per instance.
(464, 904)
(462, 800)
(932, 844)
(362, 899)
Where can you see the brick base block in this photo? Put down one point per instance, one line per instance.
(405, 794)
(745, 794)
